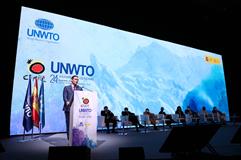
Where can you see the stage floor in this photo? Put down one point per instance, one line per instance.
(108, 144)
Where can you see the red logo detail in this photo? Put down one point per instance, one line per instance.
(37, 68)
(85, 100)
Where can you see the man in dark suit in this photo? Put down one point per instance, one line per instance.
(68, 97)
(132, 118)
(109, 118)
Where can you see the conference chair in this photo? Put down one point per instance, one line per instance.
(144, 120)
(101, 122)
(176, 118)
(188, 119)
(216, 117)
(161, 119)
(125, 123)
(202, 118)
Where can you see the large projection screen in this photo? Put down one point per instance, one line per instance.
(125, 69)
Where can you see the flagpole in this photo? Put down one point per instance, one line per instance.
(40, 129)
(32, 134)
(41, 106)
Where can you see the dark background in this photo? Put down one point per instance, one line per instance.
(209, 25)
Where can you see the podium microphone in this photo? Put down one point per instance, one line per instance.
(86, 88)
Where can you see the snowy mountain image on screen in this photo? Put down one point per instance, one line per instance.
(153, 77)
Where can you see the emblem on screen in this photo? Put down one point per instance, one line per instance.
(212, 60)
(36, 67)
(85, 100)
(44, 24)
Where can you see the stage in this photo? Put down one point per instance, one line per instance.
(36, 148)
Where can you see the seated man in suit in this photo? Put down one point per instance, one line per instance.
(132, 117)
(167, 116)
(109, 118)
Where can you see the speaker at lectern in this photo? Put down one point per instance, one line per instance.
(83, 121)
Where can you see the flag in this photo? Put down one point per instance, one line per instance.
(41, 105)
(35, 104)
(27, 116)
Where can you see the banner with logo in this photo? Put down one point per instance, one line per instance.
(83, 119)
(125, 69)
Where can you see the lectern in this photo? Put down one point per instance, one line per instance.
(83, 119)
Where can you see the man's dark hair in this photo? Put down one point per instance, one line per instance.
(74, 76)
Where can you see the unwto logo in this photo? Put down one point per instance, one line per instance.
(44, 32)
(44, 24)
(85, 107)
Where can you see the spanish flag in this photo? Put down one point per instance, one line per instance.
(35, 104)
